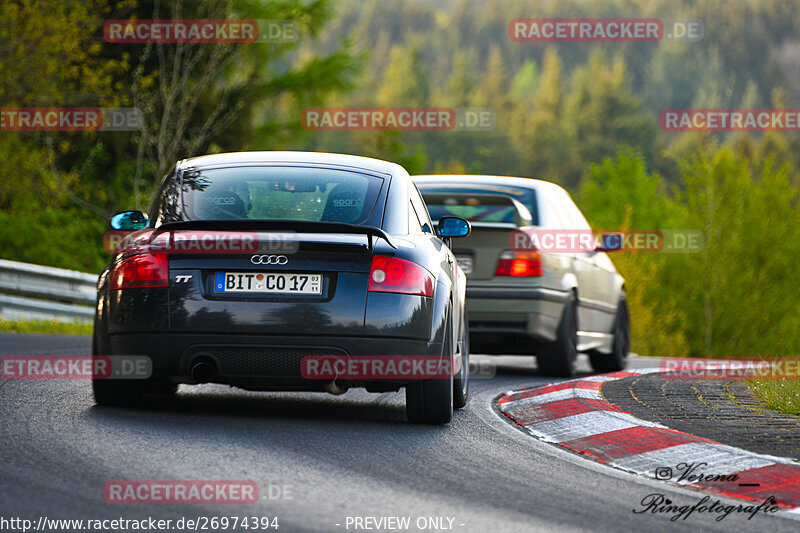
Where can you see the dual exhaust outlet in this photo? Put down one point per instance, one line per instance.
(204, 370)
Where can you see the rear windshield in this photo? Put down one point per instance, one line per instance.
(279, 193)
(461, 205)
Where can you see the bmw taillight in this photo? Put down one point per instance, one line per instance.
(391, 274)
(141, 270)
(519, 264)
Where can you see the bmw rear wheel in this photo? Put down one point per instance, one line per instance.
(558, 358)
(618, 358)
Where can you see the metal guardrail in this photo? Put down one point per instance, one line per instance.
(30, 292)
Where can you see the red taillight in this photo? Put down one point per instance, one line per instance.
(519, 264)
(390, 274)
(142, 270)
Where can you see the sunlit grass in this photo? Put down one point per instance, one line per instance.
(51, 326)
(778, 395)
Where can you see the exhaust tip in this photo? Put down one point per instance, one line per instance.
(203, 370)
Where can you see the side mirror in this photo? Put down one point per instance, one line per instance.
(453, 227)
(129, 221)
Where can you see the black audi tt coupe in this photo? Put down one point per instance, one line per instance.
(288, 271)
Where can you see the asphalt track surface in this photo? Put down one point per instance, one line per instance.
(347, 456)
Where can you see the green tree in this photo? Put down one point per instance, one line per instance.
(405, 82)
(601, 113)
(536, 123)
(739, 303)
(619, 194)
(195, 98)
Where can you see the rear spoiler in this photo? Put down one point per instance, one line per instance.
(280, 225)
(522, 215)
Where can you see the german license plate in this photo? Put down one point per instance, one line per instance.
(268, 283)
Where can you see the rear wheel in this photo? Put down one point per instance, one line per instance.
(127, 392)
(117, 392)
(461, 381)
(618, 358)
(558, 358)
(431, 401)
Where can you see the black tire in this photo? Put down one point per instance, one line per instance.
(431, 401)
(126, 392)
(558, 358)
(112, 392)
(618, 358)
(461, 381)
(117, 392)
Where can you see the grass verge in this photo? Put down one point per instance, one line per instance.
(51, 326)
(778, 395)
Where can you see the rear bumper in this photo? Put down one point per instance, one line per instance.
(496, 312)
(262, 362)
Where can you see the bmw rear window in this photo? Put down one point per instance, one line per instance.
(279, 193)
(461, 205)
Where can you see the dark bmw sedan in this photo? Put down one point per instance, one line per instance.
(287, 271)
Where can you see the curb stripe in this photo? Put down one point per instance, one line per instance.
(574, 414)
(530, 393)
(625, 442)
(552, 397)
(720, 459)
(778, 480)
(582, 425)
(609, 377)
(533, 414)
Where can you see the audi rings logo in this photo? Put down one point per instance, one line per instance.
(269, 260)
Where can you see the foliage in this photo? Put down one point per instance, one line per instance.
(52, 326)
(778, 395)
(730, 299)
(619, 194)
(583, 115)
(58, 189)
